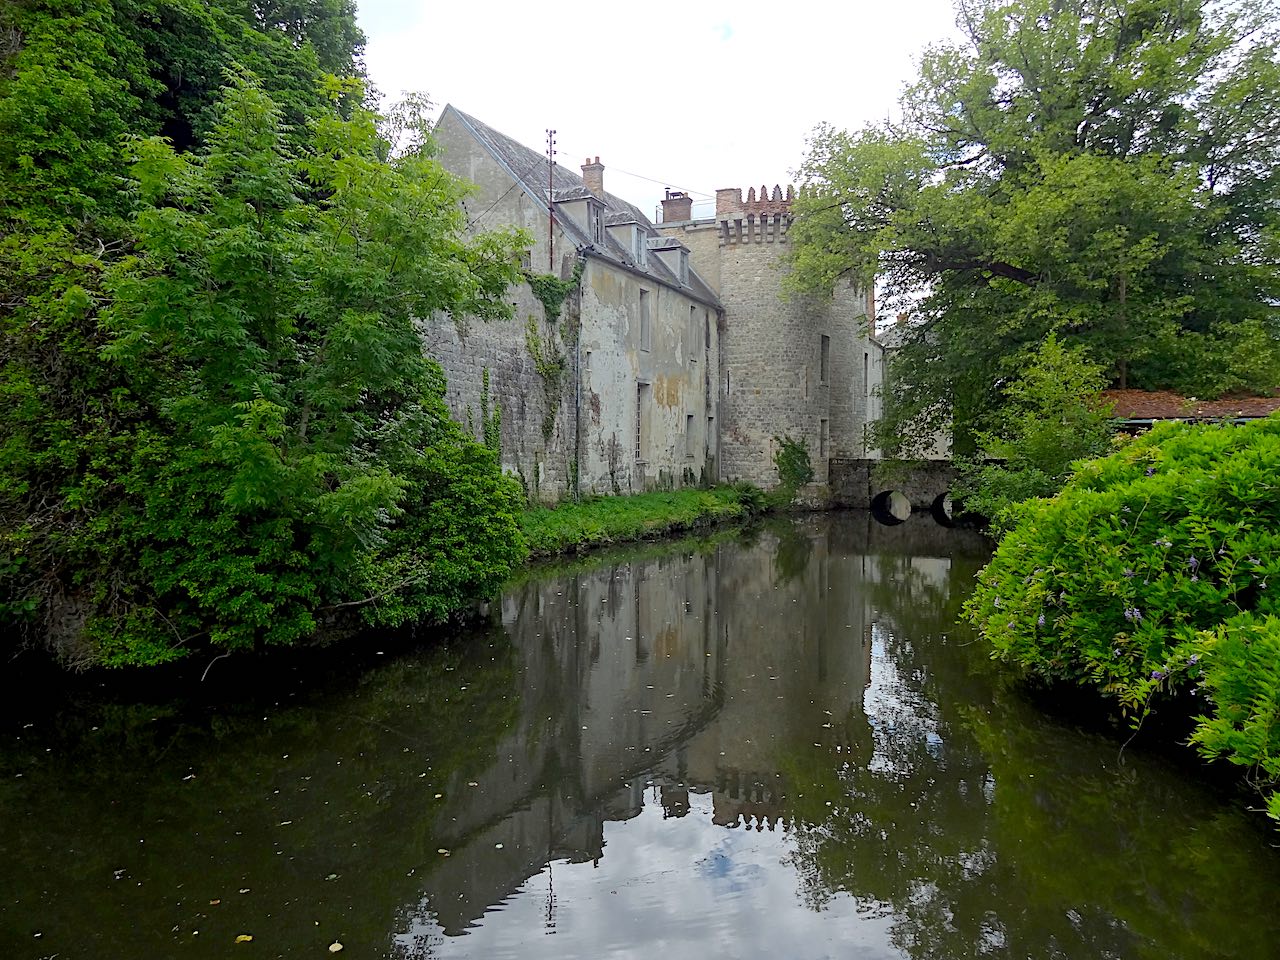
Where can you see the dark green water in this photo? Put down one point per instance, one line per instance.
(777, 746)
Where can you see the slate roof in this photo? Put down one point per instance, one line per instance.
(529, 168)
(1165, 405)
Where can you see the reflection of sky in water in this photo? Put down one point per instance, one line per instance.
(803, 680)
(900, 717)
(676, 888)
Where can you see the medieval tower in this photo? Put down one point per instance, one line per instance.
(790, 365)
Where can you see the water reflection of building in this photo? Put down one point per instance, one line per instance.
(694, 673)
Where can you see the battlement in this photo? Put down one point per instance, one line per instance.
(731, 206)
(760, 218)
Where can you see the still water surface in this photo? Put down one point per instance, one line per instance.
(775, 745)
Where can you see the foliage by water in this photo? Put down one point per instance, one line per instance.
(595, 521)
(1050, 416)
(794, 467)
(224, 429)
(1155, 575)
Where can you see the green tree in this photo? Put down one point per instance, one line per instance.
(285, 423)
(1105, 171)
(1048, 418)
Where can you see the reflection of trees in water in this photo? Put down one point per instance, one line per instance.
(794, 548)
(985, 829)
(338, 772)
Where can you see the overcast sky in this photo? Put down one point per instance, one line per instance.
(694, 95)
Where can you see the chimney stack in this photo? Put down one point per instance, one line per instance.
(677, 206)
(593, 176)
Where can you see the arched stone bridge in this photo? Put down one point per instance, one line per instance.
(921, 486)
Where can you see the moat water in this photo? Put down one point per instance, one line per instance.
(775, 744)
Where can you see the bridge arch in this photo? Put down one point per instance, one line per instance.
(890, 507)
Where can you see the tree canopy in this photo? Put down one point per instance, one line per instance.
(1100, 169)
(221, 425)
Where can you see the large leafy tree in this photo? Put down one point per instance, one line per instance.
(1100, 169)
(220, 424)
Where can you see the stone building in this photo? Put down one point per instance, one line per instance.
(792, 366)
(674, 359)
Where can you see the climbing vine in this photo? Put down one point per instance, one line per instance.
(490, 423)
(549, 352)
(552, 292)
(549, 361)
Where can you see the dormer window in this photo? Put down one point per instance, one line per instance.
(639, 245)
(682, 266)
(595, 223)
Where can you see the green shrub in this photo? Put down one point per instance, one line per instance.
(792, 460)
(1155, 572)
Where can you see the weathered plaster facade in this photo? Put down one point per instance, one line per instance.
(677, 359)
(635, 405)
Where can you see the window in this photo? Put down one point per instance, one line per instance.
(642, 401)
(824, 438)
(694, 329)
(824, 364)
(596, 223)
(526, 260)
(711, 436)
(689, 446)
(866, 374)
(683, 271)
(646, 327)
(639, 245)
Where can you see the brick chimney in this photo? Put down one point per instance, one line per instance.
(677, 206)
(593, 176)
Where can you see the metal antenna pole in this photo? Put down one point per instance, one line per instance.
(551, 202)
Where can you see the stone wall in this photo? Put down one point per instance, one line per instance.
(857, 482)
(771, 381)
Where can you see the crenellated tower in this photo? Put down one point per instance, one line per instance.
(791, 365)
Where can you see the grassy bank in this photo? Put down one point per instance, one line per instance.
(597, 521)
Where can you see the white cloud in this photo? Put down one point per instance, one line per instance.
(697, 96)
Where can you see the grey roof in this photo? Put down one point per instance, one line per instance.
(574, 193)
(665, 243)
(529, 168)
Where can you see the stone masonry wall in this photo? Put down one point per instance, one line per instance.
(771, 371)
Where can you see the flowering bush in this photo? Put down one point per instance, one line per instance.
(1156, 571)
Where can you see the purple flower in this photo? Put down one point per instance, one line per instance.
(1128, 574)
(1194, 658)
(996, 603)
(1040, 620)
(1162, 542)
(1151, 471)
(1133, 614)
(1193, 563)
(1157, 674)
(1194, 578)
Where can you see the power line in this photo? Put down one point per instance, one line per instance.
(663, 183)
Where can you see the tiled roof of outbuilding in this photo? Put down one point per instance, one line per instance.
(1166, 405)
(529, 169)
